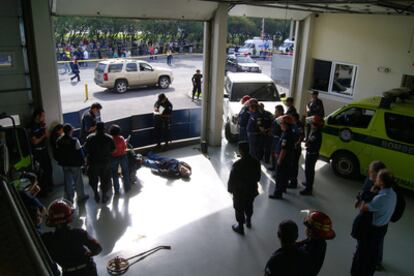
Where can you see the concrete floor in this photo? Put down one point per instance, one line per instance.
(195, 218)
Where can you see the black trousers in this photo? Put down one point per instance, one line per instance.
(283, 171)
(366, 254)
(100, 172)
(295, 167)
(267, 147)
(162, 129)
(46, 174)
(310, 162)
(243, 208)
(196, 90)
(75, 76)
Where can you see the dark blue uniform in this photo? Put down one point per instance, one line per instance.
(298, 136)
(244, 116)
(313, 146)
(267, 135)
(255, 137)
(283, 170)
(162, 122)
(290, 261)
(316, 249)
(71, 249)
(276, 133)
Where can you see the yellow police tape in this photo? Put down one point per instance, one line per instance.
(136, 57)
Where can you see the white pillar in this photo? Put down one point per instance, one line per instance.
(302, 68)
(215, 40)
(46, 60)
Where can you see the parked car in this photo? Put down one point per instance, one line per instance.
(258, 86)
(376, 128)
(120, 74)
(241, 64)
(287, 46)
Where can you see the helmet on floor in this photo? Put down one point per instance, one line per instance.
(320, 224)
(59, 212)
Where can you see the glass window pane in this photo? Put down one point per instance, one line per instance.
(260, 91)
(114, 68)
(321, 75)
(400, 127)
(5, 60)
(343, 79)
(353, 117)
(131, 67)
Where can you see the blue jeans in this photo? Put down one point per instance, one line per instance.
(123, 161)
(73, 178)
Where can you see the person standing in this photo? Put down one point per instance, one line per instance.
(162, 119)
(254, 129)
(314, 107)
(285, 157)
(71, 248)
(243, 118)
(298, 133)
(276, 134)
(290, 105)
(288, 260)
(242, 184)
(119, 158)
(89, 120)
(39, 134)
(196, 79)
(70, 157)
(169, 56)
(99, 147)
(267, 133)
(313, 145)
(318, 230)
(382, 208)
(75, 70)
(85, 58)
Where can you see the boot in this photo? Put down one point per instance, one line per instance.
(249, 223)
(238, 228)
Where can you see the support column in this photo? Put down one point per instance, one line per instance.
(301, 79)
(46, 60)
(215, 42)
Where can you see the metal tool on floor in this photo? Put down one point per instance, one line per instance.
(120, 265)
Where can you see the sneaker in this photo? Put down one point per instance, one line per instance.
(238, 229)
(306, 192)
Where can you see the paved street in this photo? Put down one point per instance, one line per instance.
(134, 101)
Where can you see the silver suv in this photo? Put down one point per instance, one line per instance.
(120, 74)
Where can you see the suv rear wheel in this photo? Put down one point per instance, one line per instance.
(345, 164)
(121, 86)
(231, 138)
(164, 82)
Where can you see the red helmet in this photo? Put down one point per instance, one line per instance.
(245, 99)
(59, 212)
(317, 120)
(320, 224)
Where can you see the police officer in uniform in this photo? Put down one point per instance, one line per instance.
(313, 144)
(89, 120)
(285, 157)
(276, 133)
(243, 119)
(314, 107)
(242, 183)
(267, 133)
(72, 249)
(291, 108)
(38, 138)
(298, 133)
(162, 119)
(254, 130)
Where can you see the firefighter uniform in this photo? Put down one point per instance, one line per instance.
(298, 136)
(313, 145)
(267, 135)
(244, 116)
(254, 135)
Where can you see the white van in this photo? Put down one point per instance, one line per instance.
(257, 47)
(287, 46)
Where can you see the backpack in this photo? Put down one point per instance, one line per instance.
(400, 206)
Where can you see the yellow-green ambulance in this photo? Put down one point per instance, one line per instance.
(377, 128)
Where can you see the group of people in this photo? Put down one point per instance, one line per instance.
(276, 138)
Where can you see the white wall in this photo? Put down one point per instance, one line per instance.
(369, 41)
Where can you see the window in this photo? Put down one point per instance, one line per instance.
(334, 77)
(115, 68)
(100, 68)
(399, 127)
(131, 67)
(145, 67)
(352, 117)
(260, 91)
(6, 60)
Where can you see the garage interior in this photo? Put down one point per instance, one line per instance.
(195, 217)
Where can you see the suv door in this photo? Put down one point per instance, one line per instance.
(147, 74)
(132, 73)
